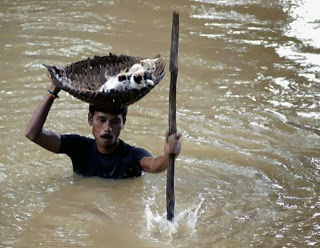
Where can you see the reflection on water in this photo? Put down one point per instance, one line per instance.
(248, 109)
(303, 26)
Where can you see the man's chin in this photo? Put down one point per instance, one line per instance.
(108, 142)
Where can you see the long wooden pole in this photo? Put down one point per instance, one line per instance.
(172, 111)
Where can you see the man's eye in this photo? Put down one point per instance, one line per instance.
(114, 122)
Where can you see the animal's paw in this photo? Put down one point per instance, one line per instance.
(150, 83)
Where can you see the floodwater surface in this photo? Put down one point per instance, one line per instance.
(248, 103)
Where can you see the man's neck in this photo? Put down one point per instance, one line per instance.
(108, 149)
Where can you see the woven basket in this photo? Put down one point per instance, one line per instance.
(83, 80)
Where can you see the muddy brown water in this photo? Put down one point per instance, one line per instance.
(248, 108)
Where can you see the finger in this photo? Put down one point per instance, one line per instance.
(171, 138)
(167, 136)
(59, 69)
(178, 136)
(177, 148)
(49, 76)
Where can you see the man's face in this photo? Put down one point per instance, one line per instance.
(106, 128)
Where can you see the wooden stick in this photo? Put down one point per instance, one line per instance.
(172, 112)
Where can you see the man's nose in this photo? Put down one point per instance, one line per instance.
(107, 126)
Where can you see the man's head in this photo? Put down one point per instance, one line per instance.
(122, 111)
(106, 126)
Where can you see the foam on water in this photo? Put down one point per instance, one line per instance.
(182, 226)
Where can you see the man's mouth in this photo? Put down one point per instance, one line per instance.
(106, 136)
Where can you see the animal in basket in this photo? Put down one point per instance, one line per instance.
(127, 81)
(148, 65)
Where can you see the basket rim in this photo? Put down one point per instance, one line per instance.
(112, 99)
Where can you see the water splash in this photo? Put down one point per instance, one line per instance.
(182, 226)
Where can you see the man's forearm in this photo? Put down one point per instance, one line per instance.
(35, 132)
(35, 127)
(155, 165)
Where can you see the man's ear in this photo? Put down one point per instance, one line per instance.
(124, 122)
(90, 119)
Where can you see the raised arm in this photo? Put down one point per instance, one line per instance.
(35, 132)
(155, 165)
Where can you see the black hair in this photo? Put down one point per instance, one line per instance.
(117, 111)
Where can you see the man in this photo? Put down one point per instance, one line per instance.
(106, 155)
